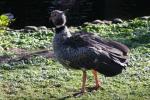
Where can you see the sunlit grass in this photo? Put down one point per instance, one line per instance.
(45, 79)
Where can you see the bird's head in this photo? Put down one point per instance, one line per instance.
(58, 18)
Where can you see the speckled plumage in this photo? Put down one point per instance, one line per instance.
(84, 50)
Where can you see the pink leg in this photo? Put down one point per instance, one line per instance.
(97, 82)
(84, 78)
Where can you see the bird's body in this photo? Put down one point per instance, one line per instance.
(86, 51)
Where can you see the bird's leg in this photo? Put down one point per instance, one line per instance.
(84, 78)
(97, 82)
(83, 90)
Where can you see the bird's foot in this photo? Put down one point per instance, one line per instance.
(80, 93)
(97, 87)
(88, 89)
(94, 89)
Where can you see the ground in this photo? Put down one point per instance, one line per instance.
(29, 71)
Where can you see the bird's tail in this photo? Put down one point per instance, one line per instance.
(114, 65)
(109, 69)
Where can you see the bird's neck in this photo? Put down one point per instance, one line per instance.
(63, 31)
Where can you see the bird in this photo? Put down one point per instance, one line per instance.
(87, 51)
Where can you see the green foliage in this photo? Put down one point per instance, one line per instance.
(4, 21)
(29, 41)
(40, 78)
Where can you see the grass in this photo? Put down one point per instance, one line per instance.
(39, 78)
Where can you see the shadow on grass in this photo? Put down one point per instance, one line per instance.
(79, 94)
(24, 56)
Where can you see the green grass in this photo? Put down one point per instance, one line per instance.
(42, 79)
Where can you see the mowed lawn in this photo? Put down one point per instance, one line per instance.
(42, 78)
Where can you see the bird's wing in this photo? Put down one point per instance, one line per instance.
(89, 39)
(78, 40)
(114, 44)
(108, 49)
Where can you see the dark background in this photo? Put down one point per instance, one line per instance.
(36, 12)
